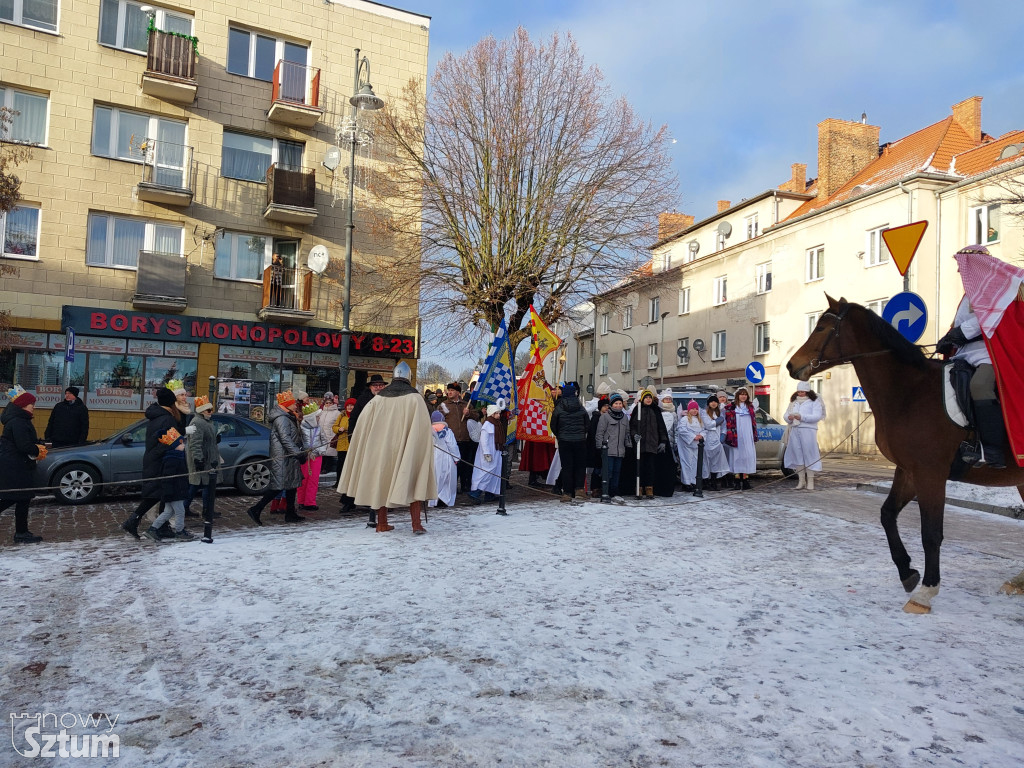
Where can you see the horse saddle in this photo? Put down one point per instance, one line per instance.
(956, 391)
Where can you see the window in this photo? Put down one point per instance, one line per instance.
(811, 322)
(115, 241)
(752, 226)
(602, 367)
(666, 261)
(581, 349)
(652, 356)
(255, 55)
(627, 355)
(681, 348)
(654, 310)
(817, 384)
(241, 256)
(815, 264)
(720, 290)
(718, 345)
(719, 241)
(764, 277)
(20, 229)
(122, 135)
(684, 301)
(762, 338)
(877, 306)
(604, 323)
(984, 224)
(248, 157)
(124, 25)
(627, 318)
(28, 126)
(41, 14)
(877, 252)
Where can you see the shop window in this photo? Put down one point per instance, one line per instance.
(20, 230)
(255, 55)
(124, 25)
(28, 121)
(248, 157)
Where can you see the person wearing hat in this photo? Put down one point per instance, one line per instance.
(456, 413)
(715, 462)
(569, 422)
(594, 458)
(287, 455)
(802, 453)
(19, 452)
(328, 416)
(201, 452)
(649, 429)
(173, 488)
(741, 436)
(613, 432)
(689, 436)
(69, 421)
(446, 461)
(341, 444)
(391, 455)
(316, 442)
(485, 483)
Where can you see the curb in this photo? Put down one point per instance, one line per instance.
(1016, 513)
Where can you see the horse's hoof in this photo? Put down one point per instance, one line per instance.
(910, 583)
(1010, 588)
(913, 607)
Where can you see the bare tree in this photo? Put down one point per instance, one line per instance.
(1008, 193)
(432, 373)
(10, 193)
(521, 180)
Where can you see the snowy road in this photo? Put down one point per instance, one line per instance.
(733, 632)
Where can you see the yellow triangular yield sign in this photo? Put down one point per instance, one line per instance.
(902, 243)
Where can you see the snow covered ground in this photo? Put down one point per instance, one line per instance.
(722, 633)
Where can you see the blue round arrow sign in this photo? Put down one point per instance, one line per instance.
(755, 372)
(907, 313)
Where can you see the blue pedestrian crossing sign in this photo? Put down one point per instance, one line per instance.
(755, 372)
(907, 313)
(858, 395)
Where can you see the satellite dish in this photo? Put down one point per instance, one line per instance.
(646, 381)
(318, 259)
(682, 353)
(693, 246)
(1011, 150)
(332, 158)
(590, 389)
(725, 229)
(698, 344)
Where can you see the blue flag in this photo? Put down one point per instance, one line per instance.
(498, 379)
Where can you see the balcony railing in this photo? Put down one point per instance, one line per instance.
(287, 294)
(160, 281)
(170, 68)
(291, 195)
(295, 98)
(166, 173)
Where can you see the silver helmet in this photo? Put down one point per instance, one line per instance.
(403, 371)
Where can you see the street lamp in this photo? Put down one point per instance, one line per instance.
(632, 361)
(363, 98)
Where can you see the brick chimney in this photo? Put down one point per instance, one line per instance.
(968, 114)
(672, 222)
(844, 149)
(723, 205)
(797, 180)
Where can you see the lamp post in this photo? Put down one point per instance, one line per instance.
(632, 360)
(363, 98)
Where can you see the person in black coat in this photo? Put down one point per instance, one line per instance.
(173, 485)
(69, 422)
(569, 423)
(376, 384)
(162, 415)
(651, 434)
(594, 459)
(19, 452)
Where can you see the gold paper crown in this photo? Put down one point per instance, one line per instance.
(309, 408)
(201, 401)
(285, 398)
(170, 436)
(175, 384)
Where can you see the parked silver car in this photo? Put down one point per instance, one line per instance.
(76, 473)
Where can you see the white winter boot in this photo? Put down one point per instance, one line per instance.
(801, 479)
(810, 480)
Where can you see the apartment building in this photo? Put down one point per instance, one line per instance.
(749, 283)
(185, 207)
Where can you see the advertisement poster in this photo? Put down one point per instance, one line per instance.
(115, 399)
(258, 401)
(242, 397)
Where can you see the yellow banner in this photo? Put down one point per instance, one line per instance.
(543, 342)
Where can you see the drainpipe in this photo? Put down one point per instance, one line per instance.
(938, 255)
(910, 220)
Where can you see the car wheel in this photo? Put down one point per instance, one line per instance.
(76, 484)
(253, 479)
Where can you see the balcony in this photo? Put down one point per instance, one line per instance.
(170, 68)
(287, 295)
(160, 282)
(166, 173)
(291, 195)
(295, 99)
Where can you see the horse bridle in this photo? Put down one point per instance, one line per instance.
(818, 361)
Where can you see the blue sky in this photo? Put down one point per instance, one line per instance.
(742, 85)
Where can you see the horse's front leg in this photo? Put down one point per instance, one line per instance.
(932, 500)
(900, 494)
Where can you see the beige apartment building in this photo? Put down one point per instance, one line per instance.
(748, 283)
(185, 207)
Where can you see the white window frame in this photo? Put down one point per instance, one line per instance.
(666, 261)
(652, 357)
(7, 100)
(810, 322)
(719, 341)
(764, 277)
(275, 152)
(148, 243)
(152, 133)
(876, 252)
(18, 17)
(602, 367)
(279, 44)
(978, 222)
(605, 321)
(817, 384)
(814, 264)
(683, 342)
(236, 238)
(684, 300)
(762, 338)
(3, 233)
(719, 241)
(877, 305)
(159, 20)
(654, 309)
(752, 227)
(721, 290)
(627, 317)
(627, 360)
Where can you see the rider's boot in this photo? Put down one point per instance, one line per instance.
(988, 417)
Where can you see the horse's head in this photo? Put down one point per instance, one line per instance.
(821, 350)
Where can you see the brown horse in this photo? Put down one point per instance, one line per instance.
(912, 432)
